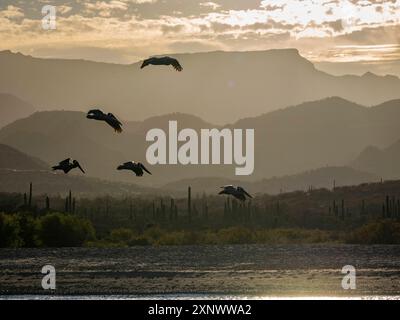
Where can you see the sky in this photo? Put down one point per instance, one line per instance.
(361, 35)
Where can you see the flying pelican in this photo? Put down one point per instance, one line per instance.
(136, 167)
(166, 61)
(97, 114)
(238, 192)
(66, 165)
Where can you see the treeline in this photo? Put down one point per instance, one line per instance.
(49, 230)
(317, 215)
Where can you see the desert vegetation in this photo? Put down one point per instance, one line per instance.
(368, 214)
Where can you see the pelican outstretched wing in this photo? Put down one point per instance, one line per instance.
(114, 122)
(115, 119)
(175, 63)
(245, 192)
(144, 168)
(65, 162)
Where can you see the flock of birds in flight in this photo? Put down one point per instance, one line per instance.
(137, 167)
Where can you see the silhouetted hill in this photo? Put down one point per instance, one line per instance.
(384, 162)
(52, 183)
(13, 108)
(57, 135)
(11, 158)
(329, 132)
(18, 169)
(318, 178)
(217, 86)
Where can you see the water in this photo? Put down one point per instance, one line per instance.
(203, 272)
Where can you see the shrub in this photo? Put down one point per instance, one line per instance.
(9, 231)
(235, 235)
(382, 232)
(28, 230)
(139, 241)
(121, 235)
(61, 230)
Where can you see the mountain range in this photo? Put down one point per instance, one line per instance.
(327, 133)
(327, 177)
(18, 169)
(384, 162)
(13, 108)
(221, 87)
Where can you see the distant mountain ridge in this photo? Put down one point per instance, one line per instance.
(384, 162)
(325, 133)
(319, 178)
(217, 86)
(13, 108)
(18, 169)
(11, 158)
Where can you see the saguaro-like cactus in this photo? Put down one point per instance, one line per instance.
(30, 195)
(47, 203)
(189, 208)
(70, 201)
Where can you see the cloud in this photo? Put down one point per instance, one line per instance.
(193, 46)
(12, 12)
(132, 29)
(105, 9)
(142, 1)
(64, 9)
(212, 5)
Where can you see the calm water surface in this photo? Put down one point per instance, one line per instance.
(202, 272)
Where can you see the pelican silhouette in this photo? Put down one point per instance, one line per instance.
(66, 165)
(166, 61)
(136, 167)
(238, 192)
(109, 118)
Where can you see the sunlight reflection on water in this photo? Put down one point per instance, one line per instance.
(191, 297)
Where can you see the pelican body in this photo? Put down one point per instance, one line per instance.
(137, 167)
(238, 192)
(66, 166)
(166, 61)
(109, 118)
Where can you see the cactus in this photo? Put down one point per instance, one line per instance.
(335, 208)
(130, 210)
(171, 209)
(176, 212)
(189, 204)
(362, 207)
(343, 210)
(30, 195)
(388, 213)
(70, 201)
(162, 208)
(398, 208)
(47, 203)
